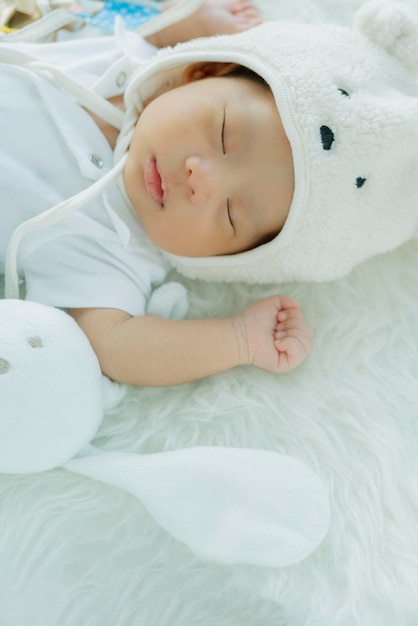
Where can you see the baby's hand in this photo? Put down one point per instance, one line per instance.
(273, 335)
(212, 17)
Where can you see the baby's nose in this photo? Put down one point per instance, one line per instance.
(203, 179)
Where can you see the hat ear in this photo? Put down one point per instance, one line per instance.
(394, 27)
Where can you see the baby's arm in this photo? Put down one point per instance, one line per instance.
(152, 351)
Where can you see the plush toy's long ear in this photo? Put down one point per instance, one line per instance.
(230, 505)
(394, 27)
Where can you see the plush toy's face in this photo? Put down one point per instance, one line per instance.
(50, 388)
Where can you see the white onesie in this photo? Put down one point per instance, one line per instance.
(51, 150)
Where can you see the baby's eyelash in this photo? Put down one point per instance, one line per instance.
(228, 210)
(223, 133)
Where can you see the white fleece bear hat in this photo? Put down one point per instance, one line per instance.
(348, 101)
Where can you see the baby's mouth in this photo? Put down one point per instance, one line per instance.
(154, 184)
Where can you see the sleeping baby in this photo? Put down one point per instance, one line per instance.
(284, 152)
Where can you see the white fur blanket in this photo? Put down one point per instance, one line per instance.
(75, 552)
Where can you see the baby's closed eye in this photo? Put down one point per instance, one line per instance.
(223, 132)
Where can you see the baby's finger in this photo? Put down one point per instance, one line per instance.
(290, 354)
(303, 334)
(290, 313)
(287, 303)
(304, 339)
(280, 334)
(293, 324)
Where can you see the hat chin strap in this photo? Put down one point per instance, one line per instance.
(52, 216)
(93, 102)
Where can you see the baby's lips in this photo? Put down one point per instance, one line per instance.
(153, 183)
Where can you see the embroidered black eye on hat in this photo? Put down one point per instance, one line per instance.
(348, 101)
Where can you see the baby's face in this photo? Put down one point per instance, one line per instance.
(209, 169)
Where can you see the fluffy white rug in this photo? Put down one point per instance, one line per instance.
(74, 552)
